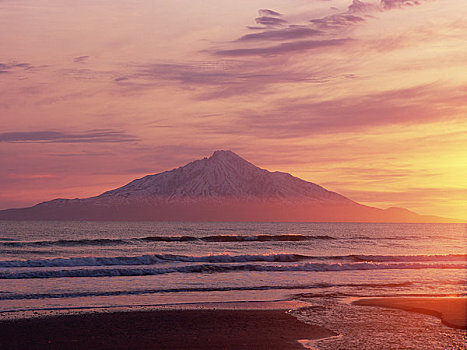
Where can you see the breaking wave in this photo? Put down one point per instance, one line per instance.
(219, 268)
(221, 258)
(11, 243)
(150, 260)
(198, 289)
(215, 238)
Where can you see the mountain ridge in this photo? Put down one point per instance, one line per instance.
(222, 187)
(224, 174)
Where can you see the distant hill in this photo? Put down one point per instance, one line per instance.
(223, 187)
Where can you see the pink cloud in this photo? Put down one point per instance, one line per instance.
(299, 117)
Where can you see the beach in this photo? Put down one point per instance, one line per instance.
(451, 311)
(161, 329)
(225, 326)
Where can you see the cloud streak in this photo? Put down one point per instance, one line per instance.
(9, 67)
(290, 33)
(299, 118)
(392, 4)
(80, 59)
(91, 136)
(267, 12)
(270, 21)
(217, 79)
(283, 48)
(337, 20)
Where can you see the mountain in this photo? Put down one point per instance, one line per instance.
(223, 187)
(223, 175)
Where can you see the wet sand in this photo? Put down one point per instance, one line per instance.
(451, 311)
(161, 329)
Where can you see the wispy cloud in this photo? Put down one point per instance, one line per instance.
(330, 30)
(391, 4)
(337, 20)
(217, 79)
(80, 59)
(270, 21)
(15, 65)
(299, 117)
(291, 32)
(11, 67)
(267, 12)
(239, 68)
(362, 7)
(282, 48)
(90, 136)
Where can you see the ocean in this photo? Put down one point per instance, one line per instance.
(77, 266)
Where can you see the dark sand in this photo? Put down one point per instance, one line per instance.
(451, 311)
(162, 329)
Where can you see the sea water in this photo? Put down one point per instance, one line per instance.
(56, 266)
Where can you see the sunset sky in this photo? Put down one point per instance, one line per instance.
(366, 98)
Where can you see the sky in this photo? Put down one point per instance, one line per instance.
(366, 98)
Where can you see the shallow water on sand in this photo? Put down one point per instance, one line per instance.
(364, 327)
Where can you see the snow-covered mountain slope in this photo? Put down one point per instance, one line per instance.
(224, 174)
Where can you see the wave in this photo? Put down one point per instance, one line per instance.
(150, 260)
(13, 251)
(67, 242)
(11, 243)
(220, 258)
(216, 238)
(385, 238)
(409, 258)
(218, 268)
(199, 289)
(237, 238)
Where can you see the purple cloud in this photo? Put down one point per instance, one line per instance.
(283, 48)
(80, 59)
(270, 21)
(337, 20)
(90, 136)
(217, 79)
(391, 4)
(334, 26)
(6, 67)
(361, 6)
(290, 33)
(267, 12)
(291, 37)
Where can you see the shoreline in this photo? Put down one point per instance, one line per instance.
(452, 311)
(162, 329)
(281, 304)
